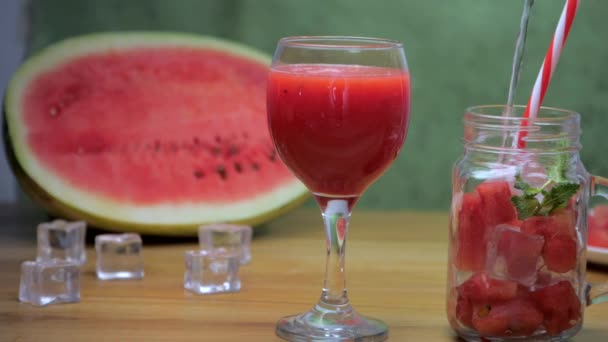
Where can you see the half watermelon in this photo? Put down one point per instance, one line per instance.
(153, 132)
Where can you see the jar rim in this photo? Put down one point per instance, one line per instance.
(487, 127)
(555, 114)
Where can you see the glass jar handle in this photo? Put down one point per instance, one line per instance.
(597, 293)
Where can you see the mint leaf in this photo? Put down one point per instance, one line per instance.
(525, 187)
(558, 197)
(558, 171)
(526, 206)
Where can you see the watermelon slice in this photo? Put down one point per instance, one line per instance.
(154, 132)
(598, 226)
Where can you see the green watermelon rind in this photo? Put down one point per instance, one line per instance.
(167, 219)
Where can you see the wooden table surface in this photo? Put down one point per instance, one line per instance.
(396, 266)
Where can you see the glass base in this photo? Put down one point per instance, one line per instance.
(327, 325)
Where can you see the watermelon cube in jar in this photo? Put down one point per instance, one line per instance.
(478, 214)
(493, 307)
(470, 234)
(560, 305)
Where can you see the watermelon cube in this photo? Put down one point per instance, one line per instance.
(470, 236)
(481, 289)
(460, 310)
(490, 320)
(496, 307)
(496, 200)
(524, 317)
(560, 253)
(560, 306)
(515, 255)
(518, 317)
(464, 311)
(561, 222)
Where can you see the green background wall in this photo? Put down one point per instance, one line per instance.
(459, 52)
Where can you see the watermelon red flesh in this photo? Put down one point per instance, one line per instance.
(479, 213)
(560, 254)
(560, 305)
(496, 200)
(518, 317)
(155, 125)
(482, 289)
(598, 226)
(559, 223)
(471, 245)
(496, 307)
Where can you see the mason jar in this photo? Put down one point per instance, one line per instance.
(518, 227)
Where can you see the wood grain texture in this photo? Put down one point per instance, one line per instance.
(396, 265)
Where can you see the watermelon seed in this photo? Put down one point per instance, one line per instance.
(199, 174)
(221, 171)
(157, 145)
(218, 139)
(196, 141)
(484, 310)
(255, 166)
(216, 151)
(238, 167)
(233, 150)
(273, 156)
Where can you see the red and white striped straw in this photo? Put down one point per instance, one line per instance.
(546, 70)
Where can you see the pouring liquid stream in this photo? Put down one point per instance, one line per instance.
(518, 57)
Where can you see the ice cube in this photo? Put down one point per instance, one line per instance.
(62, 240)
(47, 282)
(514, 255)
(212, 271)
(119, 256)
(233, 238)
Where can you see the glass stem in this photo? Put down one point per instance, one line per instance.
(336, 217)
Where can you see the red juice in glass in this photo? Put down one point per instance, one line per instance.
(338, 127)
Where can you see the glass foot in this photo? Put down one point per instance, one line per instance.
(329, 325)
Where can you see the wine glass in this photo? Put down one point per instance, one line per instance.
(338, 112)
